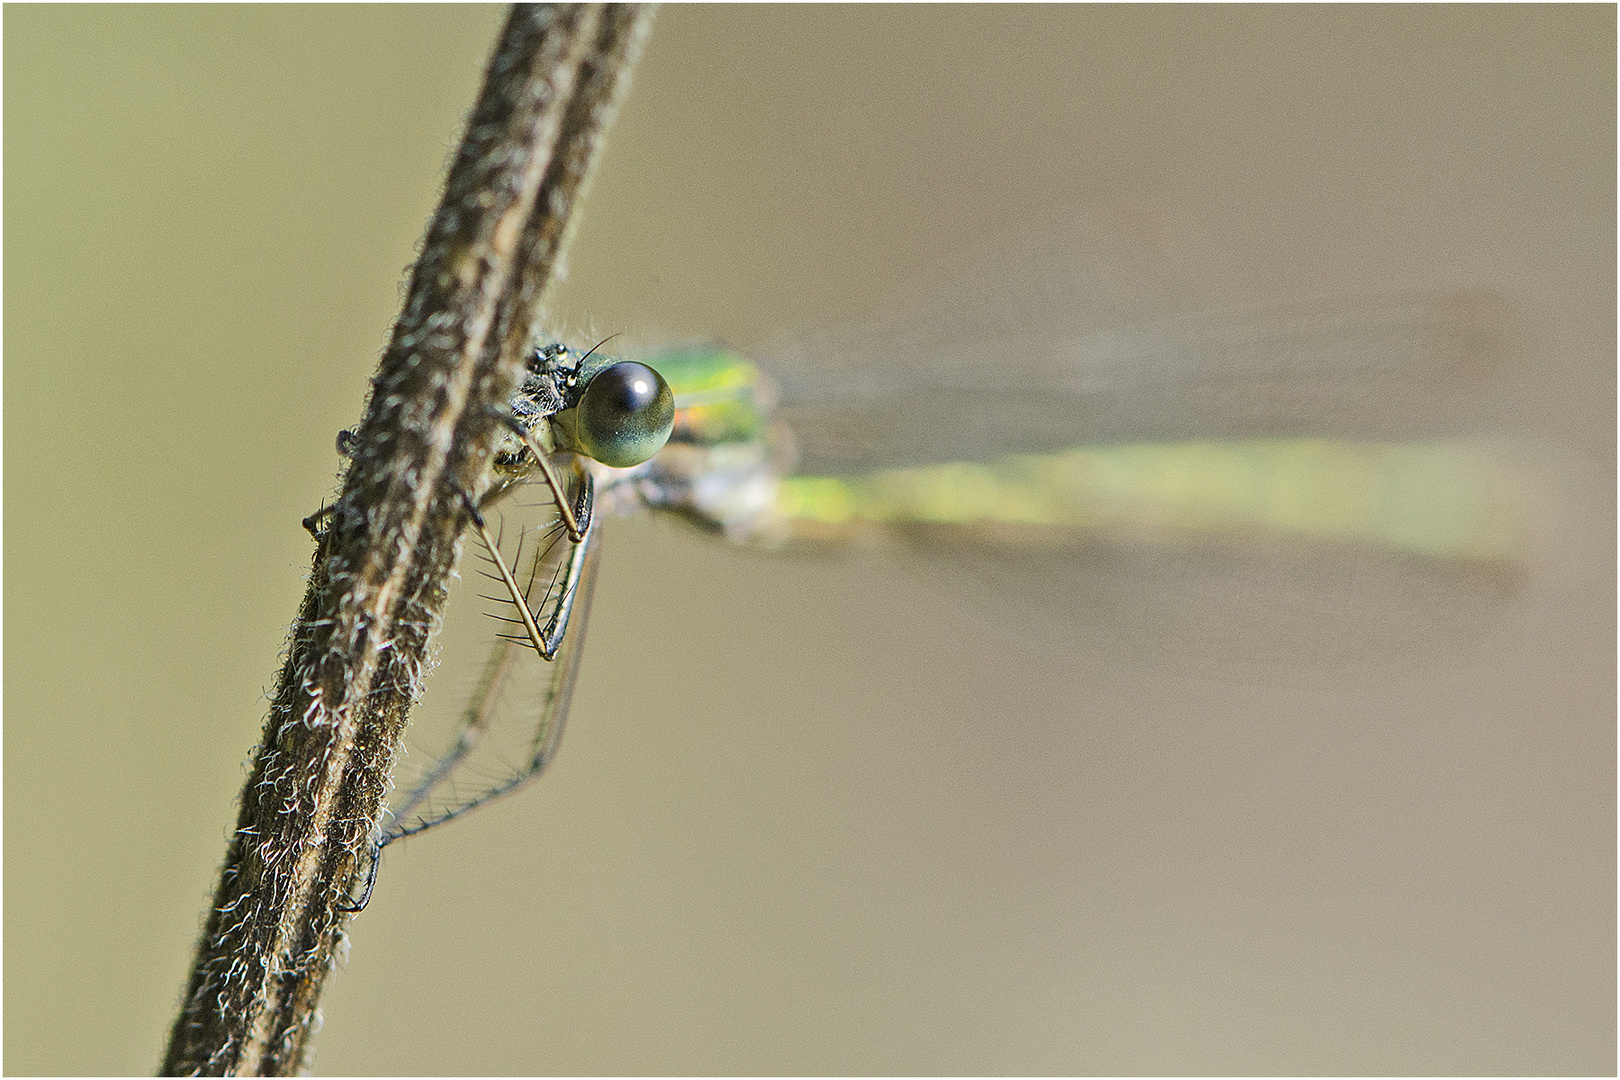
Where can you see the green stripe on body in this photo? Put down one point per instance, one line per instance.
(715, 393)
(1443, 500)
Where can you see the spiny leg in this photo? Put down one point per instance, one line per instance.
(576, 519)
(545, 642)
(553, 708)
(578, 571)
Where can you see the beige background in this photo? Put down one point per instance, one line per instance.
(801, 823)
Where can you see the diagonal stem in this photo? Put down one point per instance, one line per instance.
(357, 651)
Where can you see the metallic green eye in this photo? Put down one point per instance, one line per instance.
(625, 415)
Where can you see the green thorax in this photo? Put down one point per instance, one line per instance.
(720, 396)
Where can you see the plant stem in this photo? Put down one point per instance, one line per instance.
(358, 648)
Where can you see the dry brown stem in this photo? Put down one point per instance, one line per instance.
(357, 651)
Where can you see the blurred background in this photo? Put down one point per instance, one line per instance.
(807, 818)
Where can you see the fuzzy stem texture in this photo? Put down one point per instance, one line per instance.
(357, 651)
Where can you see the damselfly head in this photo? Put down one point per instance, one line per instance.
(616, 412)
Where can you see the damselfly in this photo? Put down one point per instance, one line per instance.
(1314, 433)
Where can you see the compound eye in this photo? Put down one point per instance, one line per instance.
(625, 414)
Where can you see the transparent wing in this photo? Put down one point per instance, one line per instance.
(1386, 367)
(1311, 481)
(1250, 611)
(510, 726)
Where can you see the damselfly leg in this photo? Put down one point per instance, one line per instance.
(575, 520)
(549, 605)
(580, 411)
